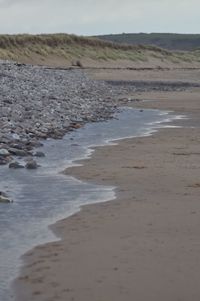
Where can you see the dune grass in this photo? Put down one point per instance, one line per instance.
(72, 47)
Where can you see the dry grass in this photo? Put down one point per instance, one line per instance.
(72, 47)
(63, 40)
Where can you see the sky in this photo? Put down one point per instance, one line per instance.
(87, 17)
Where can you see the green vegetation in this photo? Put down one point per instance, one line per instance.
(71, 48)
(165, 40)
(66, 45)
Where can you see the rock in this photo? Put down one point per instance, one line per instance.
(4, 152)
(75, 125)
(16, 136)
(3, 161)
(40, 103)
(4, 198)
(19, 64)
(18, 152)
(42, 135)
(33, 143)
(15, 165)
(39, 154)
(31, 164)
(77, 63)
(16, 146)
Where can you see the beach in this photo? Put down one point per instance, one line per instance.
(144, 245)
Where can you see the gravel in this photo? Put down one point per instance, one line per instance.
(38, 102)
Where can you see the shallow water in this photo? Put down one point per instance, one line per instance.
(45, 196)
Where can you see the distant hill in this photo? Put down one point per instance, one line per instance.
(164, 40)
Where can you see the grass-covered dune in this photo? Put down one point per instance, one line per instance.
(66, 50)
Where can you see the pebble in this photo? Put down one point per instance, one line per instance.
(31, 164)
(39, 154)
(4, 198)
(39, 103)
(4, 152)
(15, 165)
(17, 152)
(3, 161)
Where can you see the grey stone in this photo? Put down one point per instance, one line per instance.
(31, 164)
(15, 165)
(3, 161)
(17, 152)
(4, 198)
(39, 154)
(4, 152)
(39, 103)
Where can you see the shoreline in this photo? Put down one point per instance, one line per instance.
(62, 216)
(74, 99)
(86, 219)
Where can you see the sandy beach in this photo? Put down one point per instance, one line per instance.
(144, 245)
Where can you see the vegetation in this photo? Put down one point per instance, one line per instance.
(165, 40)
(24, 48)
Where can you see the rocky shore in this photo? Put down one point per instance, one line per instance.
(38, 102)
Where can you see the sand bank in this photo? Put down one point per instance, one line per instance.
(145, 244)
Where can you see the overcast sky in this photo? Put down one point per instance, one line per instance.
(89, 17)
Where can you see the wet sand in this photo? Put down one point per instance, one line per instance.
(145, 244)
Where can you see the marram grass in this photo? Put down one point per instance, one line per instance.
(69, 47)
